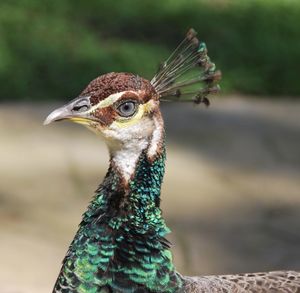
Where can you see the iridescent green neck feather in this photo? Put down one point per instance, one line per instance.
(120, 244)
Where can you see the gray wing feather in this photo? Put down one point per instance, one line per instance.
(273, 282)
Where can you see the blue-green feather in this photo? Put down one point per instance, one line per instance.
(120, 244)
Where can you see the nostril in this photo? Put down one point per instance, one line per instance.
(80, 108)
(81, 105)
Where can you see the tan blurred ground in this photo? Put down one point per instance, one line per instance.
(231, 193)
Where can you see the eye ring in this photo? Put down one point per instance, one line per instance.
(127, 108)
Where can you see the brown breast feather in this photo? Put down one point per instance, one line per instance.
(273, 282)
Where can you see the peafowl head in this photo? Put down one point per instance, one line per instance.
(124, 108)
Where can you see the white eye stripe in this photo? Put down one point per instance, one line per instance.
(111, 99)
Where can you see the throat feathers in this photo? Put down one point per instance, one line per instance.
(126, 153)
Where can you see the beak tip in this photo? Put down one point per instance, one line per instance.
(56, 115)
(49, 120)
(46, 122)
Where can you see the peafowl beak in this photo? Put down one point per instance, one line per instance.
(57, 115)
(76, 110)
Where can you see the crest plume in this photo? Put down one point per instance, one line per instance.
(188, 74)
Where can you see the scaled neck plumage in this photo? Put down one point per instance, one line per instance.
(120, 245)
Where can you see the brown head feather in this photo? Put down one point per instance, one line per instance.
(111, 83)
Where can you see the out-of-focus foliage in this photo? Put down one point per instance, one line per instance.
(51, 49)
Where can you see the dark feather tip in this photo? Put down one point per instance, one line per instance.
(195, 42)
(200, 99)
(206, 101)
(177, 93)
(213, 77)
(191, 34)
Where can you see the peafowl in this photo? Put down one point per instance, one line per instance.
(120, 245)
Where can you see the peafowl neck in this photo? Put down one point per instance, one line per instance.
(134, 201)
(120, 245)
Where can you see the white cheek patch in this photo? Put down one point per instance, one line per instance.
(127, 144)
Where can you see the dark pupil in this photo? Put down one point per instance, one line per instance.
(127, 109)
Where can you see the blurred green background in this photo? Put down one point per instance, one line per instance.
(231, 193)
(50, 50)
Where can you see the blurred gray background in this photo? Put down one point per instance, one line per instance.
(231, 193)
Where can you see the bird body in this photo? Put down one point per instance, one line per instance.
(120, 245)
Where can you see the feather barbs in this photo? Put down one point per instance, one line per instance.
(188, 74)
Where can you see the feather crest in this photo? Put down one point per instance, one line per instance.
(188, 74)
